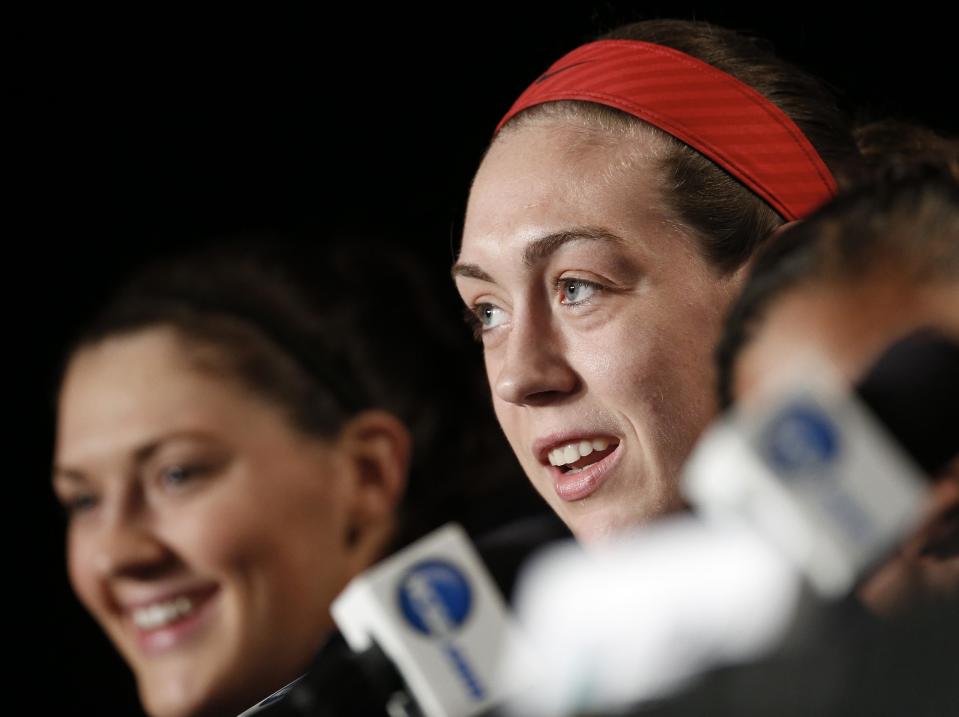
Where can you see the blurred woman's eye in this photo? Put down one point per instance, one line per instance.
(180, 465)
(177, 475)
(576, 291)
(79, 504)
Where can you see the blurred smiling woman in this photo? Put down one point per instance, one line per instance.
(233, 442)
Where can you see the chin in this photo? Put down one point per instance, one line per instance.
(610, 522)
(600, 526)
(595, 534)
(184, 698)
(165, 704)
(168, 701)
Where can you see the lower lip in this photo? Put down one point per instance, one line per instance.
(161, 639)
(576, 486)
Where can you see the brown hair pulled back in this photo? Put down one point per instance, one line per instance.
(728, 220)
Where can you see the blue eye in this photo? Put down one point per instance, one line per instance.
(490, 316)
(576, 291)
(178, 474)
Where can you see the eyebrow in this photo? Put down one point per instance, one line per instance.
(541, 248)
(67, 474)
(140, 455)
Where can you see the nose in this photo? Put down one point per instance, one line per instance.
(535, 369)
(127, 545)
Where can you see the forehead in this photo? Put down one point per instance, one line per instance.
(545, 176)
(848, 325)
(127, 389)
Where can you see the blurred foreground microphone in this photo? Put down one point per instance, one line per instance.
(435, 611)
(421, 633)
(803, 492)
(835, 481)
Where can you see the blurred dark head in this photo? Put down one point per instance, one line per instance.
(875, 265)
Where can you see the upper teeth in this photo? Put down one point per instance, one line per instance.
(161, 613)
(572, 452)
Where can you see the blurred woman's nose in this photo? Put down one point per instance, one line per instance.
(534, 370)
(127, 543)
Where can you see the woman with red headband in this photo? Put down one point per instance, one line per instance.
(607, 230)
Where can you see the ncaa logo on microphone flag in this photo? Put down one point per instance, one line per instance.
(803, 445)
(801, 439)
(435, 598)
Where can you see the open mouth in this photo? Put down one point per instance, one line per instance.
(171, 610)
(162, 624)
(579, 468)
(575, 456)
(161, 614)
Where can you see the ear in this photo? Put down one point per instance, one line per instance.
(377, 447)
(777, 232)
(737, 279)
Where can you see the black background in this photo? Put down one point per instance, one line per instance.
(140, 134)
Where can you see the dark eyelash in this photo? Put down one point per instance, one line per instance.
(187, 472)
(583, 282)
(560, 283)
(74, 506)
(177, 473)
(473, 321)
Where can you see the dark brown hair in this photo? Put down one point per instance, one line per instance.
(324, 332)
(729, 221)
(888, 142)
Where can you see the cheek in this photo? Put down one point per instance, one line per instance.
(280, 558)
(627, 361)
(492, 361)
(224, 533)
(296, 531)
(81, 570)
(506, 413)
(659, 373)
(510, 421)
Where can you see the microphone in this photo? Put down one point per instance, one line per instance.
(435, 612)
(420, 632)
(808, 487)
(835, 480)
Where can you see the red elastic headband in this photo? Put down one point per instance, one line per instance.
(712, 112)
